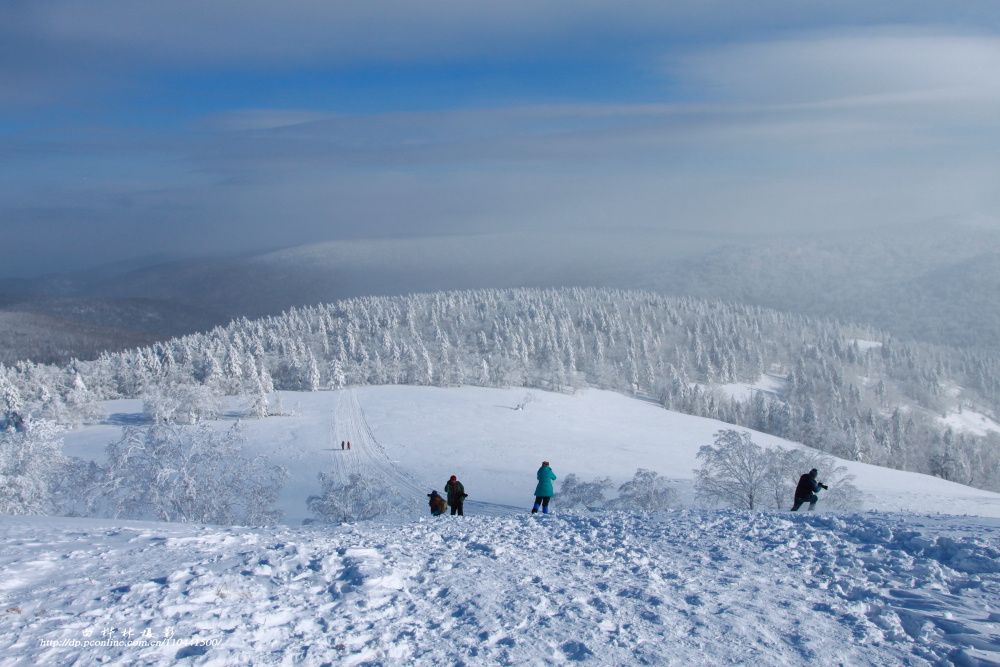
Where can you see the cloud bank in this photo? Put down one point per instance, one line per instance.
(132, 128)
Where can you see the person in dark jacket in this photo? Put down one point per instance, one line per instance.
(456, 495)
(437, 503)
(543, 491)
(806, 490)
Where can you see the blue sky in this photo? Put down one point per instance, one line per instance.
(130, 128)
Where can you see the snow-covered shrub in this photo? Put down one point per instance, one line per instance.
(360, 499)
(528, 398)
(575, 493)
(647, 491)
(31, 463)
(190, 474)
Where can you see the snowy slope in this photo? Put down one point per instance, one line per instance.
(677, 588)
(415, 437)
(500, 586)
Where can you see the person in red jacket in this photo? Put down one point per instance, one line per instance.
(437, 503)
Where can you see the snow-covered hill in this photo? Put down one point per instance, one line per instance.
(416, 437)
(501, 586)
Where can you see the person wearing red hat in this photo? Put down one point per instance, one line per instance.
(456, 495)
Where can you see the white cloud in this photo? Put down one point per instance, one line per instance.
(866, 67)
(853, 126)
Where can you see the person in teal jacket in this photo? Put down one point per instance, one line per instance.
(543, 492)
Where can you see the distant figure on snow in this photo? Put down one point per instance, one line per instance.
(807, 489)
(456, 495)
(348, 445)
(437, 503)
(543, 492)
(341, 445)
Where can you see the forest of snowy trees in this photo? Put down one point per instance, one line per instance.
(845, 390)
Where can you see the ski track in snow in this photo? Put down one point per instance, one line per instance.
(366, 456)
(684, 587)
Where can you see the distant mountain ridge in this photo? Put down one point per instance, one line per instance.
(934, 282)
(937, 283)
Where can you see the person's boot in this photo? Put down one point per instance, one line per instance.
(545, 509)
(812, 506)
(534, 510)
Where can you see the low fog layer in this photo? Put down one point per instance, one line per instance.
(934, 282)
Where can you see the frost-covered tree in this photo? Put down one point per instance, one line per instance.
(647, 491)
(259, 406)
(735, 472)
(338, 380)
(184, 403)
(31, 464)
(577, 493)
(190, 474)
(81, 403)
(11, 406)
(360, 499)
(312, 377)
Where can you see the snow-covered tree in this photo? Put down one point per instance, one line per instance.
(337, 378)
(190, 474)
(31, 464)
(77, 489)
(81, 403)
(259, 406)
(184, 403)
(312, 378)
(11, 406)
(735, 472)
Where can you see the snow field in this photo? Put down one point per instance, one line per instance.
(414, 438)
(684, 587)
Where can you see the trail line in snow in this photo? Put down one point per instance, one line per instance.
(366, 456)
